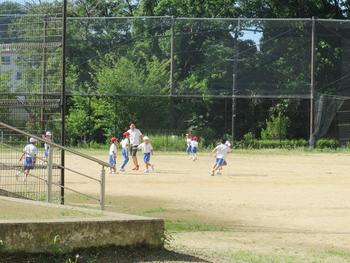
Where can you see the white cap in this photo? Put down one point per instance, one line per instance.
(228, 143)
(145, 138)
(48, 133)
(32, 140)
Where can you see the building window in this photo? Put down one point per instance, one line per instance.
(18, 75)
(6, 60)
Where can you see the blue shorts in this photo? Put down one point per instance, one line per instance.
(220, 161)
(111, 160)
(147, 157)
(194, 149)
(28, 163)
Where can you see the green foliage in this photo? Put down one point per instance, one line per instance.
(327, 144)
(277, 124)
(249, 141)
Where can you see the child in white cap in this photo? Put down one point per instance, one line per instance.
(147, 150)
(220, 155)
(29, 153)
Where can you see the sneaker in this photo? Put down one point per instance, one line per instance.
(146, 171)
(121, 170)
(194, 159)
(219, 173)
(212, 172)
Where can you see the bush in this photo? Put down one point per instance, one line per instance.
(327, 144)
(249, 142)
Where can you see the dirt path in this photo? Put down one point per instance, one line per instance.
(270, 201)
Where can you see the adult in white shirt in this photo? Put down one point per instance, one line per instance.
(135, 138)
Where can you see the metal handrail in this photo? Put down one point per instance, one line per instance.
(83, 155)
(55, 164)
(49, 182)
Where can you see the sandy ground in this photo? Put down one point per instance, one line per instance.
(297, 203)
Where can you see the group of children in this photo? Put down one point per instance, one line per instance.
(221, 151)
(145, 146)
(192, 146)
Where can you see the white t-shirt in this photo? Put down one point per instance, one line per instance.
(125, 143)
(135, 136)
(146, 148)
(194, 144)
(113, 149)
(30, 150)
(221, 151)
(188, 141)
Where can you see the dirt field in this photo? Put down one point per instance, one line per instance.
(266, 207)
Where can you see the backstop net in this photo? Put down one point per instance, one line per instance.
(30, 90)
(271, 79)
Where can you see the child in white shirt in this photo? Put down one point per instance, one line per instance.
(147, 150)
(29, 153)
(221, 151)
(113, 155)
(194, 148)
(125, 143)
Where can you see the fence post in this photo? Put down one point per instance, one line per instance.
(172, 69)
(49, 176)
(234, 79)
(103, 188)
(312, 83)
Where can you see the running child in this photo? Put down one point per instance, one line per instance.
(221, 151)
(48, 137)
(113, 155)
(29, 154)
(194, 147)
(125, 143)
(188, 139)
(225, 162)
(147, 150)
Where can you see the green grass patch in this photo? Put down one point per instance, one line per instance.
(244, 256)
(186, 226)
(155, 210)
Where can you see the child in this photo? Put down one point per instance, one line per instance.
(194, 148)
(113, 155)
(29, 153)
(48, 137)
(188, 142)
(125, 151)
(147, 150)
(225, 162)
(221, 151)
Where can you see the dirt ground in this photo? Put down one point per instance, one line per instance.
(266, 207)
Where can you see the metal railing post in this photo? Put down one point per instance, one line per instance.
(103, 188)
(49, 176)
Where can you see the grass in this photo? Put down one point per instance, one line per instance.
(190, 226)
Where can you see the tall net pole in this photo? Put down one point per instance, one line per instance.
(234, 80)
(63, 95)
(312, 83)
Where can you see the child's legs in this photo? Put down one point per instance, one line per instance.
(147, 159)
(125, 157)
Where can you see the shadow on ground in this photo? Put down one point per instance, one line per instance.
(106, 255)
